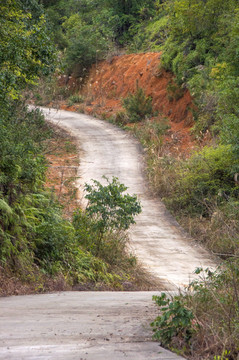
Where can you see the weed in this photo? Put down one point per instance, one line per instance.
(121, 118)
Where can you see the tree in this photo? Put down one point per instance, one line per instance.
(25, 47)
(128, 13)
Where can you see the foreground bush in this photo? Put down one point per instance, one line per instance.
(203, 324)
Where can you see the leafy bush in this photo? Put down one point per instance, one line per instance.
(175, 92)
(110, 246)
(150, 35)
(175, 320)
(25, 47)
(138, 106)
(110, 207)
(87, 42)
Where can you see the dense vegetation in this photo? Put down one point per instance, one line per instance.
(89, 30)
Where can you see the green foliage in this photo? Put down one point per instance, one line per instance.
(214, 301)
(208, 310)
(87, 43)
(110, 246)
(48, 91)
(150, 35)
(25, 47)
(138, 106)
(201, 50)
(127, 13)
(22, 172)
(75, 99)
(87, 30)
(111, 208)
(175, 92)
(175, 320)
(228, 113)
(34, 236)
(206, 175)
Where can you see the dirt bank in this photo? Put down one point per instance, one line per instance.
(112, 80)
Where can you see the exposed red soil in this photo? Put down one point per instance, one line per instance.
(111, 81)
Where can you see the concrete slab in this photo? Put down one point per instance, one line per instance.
(80, 326)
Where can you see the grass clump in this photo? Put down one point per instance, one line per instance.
(75, 99)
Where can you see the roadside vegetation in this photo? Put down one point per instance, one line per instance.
(198, 40)
(201, 190)
(40, 246)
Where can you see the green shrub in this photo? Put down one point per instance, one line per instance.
(110, 247)
(138, 106)
(175, 321)
(202, 323)
(206, 174)
(87, 42)
(110, 207)
(150, 35)
(175, 92)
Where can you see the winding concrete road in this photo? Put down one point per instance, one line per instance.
(104, 325)
(156, 239)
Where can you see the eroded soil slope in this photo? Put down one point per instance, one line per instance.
(112, 80)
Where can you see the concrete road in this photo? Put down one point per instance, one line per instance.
(157, 240)
(79, 326)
